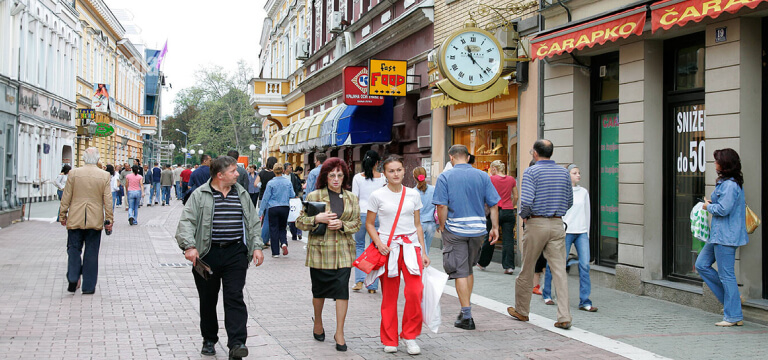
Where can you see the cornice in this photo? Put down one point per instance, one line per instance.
(370, 15)
(404, 26)
(105, 13)
(324, 100)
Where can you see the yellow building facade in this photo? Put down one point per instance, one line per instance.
(108, 60)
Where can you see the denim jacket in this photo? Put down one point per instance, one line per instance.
(279, 192)
(729, 213)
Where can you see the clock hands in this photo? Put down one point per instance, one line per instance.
(469, 53)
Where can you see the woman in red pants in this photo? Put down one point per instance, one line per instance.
(401, 239)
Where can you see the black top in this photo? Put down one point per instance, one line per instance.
(337, 203)
(264, 176)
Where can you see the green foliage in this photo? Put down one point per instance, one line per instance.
(215, 112)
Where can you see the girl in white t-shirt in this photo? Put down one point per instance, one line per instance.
(406, 255)
(363, 184)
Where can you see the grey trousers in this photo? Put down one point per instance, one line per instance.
(547, 236)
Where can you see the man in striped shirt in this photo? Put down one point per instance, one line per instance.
(461, 196)
(547, 195)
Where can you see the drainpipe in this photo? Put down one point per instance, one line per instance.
(541, 87)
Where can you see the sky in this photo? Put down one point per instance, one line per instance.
(199, 33)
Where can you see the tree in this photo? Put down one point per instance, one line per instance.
(215, 112)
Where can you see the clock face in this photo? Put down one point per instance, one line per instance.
(471, 59)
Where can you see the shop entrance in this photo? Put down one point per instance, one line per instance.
(604, 159)
(685, 152)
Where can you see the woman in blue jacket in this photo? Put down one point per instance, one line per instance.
(276, 205)
(727, 232)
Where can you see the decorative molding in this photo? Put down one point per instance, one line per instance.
(386, 16)
(366, 30)
(103, 10)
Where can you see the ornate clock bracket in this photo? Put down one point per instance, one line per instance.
(505, 29)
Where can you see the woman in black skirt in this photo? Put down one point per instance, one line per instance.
(330, 255)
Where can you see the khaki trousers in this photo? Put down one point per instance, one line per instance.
(547, 236)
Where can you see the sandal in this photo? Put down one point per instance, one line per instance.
(549, 302)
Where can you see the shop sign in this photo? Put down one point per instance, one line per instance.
(54, 110)
(667, 14)
(356, 88)
(59, 113)
(612, 28)
(609, 175)
(84, 115)
(30, 101)
(103, 130)
(387, 77)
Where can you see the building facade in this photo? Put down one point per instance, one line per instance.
(640, 94)
(110, 74)
(11, 15)
(48, 43)
(307, 46)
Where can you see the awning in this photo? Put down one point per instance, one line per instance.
(317, 136)
(600, 31)
(666, 14)
(365, 124)
(304, 127)
(315, 128)
(285, 136)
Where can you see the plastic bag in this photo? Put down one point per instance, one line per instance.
(295, 209)
(700, 222)
(434, 282)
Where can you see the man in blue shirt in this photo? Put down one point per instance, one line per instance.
(312, 177)
(547, 194)
(461, 213)
(156, 188)
(199, 176)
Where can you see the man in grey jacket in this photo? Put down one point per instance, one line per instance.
(220, 225)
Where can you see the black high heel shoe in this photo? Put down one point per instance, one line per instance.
(339, 347)
(319, 337)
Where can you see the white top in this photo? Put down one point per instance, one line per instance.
(448, 166)
(61, 181)
(577, 217)
(362, 188)
(384, 203)
(114, 182)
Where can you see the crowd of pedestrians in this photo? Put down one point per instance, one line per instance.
(470, 209)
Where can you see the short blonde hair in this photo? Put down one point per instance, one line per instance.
(498, 165)
(278, 169)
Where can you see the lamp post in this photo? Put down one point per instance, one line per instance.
(172, 147)
(252, 147)
(185, 146)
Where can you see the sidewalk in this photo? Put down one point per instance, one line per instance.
(146, 307)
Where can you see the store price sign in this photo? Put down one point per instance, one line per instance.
(356, 87)
(387, 77)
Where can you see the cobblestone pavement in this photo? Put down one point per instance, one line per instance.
(145, 306)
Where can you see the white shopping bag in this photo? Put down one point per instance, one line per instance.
(295, 211)
(434, 282)
(700, 222)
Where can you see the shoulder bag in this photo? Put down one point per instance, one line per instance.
(372, 258)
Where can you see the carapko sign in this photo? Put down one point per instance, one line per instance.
(356, 87)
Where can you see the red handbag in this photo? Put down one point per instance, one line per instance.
(372, 259)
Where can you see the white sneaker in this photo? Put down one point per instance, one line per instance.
(390, 349)
(275, 256)
(413, 347)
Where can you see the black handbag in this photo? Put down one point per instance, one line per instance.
(312, 208)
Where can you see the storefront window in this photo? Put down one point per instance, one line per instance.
(609, 81)
(609, 188)
(690, 161)
(689, 70)
(488, 143)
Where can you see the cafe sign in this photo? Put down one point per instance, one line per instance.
(356, 88)
(666, 14)
(103, 130)
(597, 32)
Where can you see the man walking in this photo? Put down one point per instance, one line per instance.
(166, 181)
(461, 212)
(200, 176)
(225, 236)
(177, 180)
(242, 177)
(312, 177)
(148, 185)
(185, 180)
(546, 197)
(156, 172)
(123, 173)
(85, 204)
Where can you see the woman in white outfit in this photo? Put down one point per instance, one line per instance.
(401, 239)
(363, 184)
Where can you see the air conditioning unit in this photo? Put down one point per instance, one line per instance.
(302, 49)
(336, 22)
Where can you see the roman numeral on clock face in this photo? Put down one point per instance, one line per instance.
(455, 67)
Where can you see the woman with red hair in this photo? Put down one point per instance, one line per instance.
(330, 254)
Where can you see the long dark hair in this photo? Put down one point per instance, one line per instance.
(135, 169)
(65, 169)
(271, 161)
(328, 166)
(369, 161)
(730, 166)
(110, 170)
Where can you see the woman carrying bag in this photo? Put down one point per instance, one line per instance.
(727, 232)
(330, 254)
(275, 206)
(401, 239)
(363, 184)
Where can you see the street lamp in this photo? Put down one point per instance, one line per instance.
(184, 149)
(172, 147)
(255, 130)
(92, 126)
(252, 146)
(200, 151)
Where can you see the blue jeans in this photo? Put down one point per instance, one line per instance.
(88, 266)
(722, 281)
(155, 191)
(115, 197)
(360, 248)
(178, 190)
(429, 233)
(134, 200)
(265, 227)
(585, 286)
(167, 194)
(60, 193)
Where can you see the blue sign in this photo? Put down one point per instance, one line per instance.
(188, 156)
